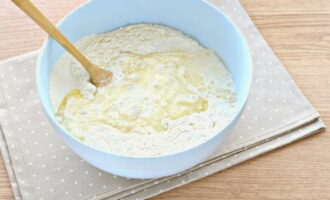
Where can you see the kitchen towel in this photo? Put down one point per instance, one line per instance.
(41, 166)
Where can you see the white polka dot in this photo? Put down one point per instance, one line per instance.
(62, 180)
(34, 175)
(86, 172)
(54, 156)
(100, 174)
(67, 158)
(119, 188)
(51, 190)
(270, 119)
(43, 166)
(18, 89)
(47, 178)
(38, 187)
(75, 182)
(66, 193)
(71, 170)
(90, 184)
(39, 154)
(30, 163)
(58, 168)
(249, 127)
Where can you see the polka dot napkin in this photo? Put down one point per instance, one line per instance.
(41, 167)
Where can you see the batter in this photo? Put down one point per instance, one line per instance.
(168, 93)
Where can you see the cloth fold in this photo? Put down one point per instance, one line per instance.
(40, 166)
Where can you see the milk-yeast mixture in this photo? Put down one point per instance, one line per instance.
(168, 93)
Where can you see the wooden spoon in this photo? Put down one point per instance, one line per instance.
(99, 77)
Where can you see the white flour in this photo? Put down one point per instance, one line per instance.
(168, 93)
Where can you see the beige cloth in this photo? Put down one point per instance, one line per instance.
(40, 166)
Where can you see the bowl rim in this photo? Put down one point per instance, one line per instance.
(220, 131)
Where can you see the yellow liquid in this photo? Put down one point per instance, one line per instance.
(153, 87)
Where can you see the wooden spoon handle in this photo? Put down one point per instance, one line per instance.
(33, 12)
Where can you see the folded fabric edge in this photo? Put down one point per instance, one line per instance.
(19, 57)
(252, 152)
(8, 166)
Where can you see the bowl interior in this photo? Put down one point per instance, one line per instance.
(197, 18)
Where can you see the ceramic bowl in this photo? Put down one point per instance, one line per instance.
(198, 19)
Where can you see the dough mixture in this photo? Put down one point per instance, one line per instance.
(167, 94)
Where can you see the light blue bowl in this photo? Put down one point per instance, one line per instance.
(196, 18)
